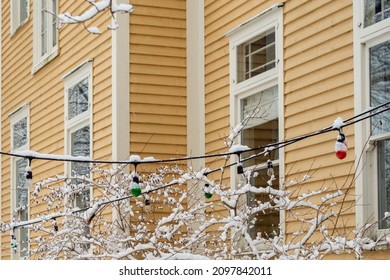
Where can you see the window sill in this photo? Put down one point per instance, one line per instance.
(14, 31)
(44, 60)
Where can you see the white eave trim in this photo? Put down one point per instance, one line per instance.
(260, 15)
(74, 70)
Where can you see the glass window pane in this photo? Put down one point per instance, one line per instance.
(260, 135)
(264, 128)
(20, 133)
(81, 144)
(78, 99)
(23, 234)
(256, 56)
(375, 11)
(54, 23)
(265, 101)
(43, 28)
(384, 181)
(22, 191)
(23, 10)
(265, 223)
(380, 85)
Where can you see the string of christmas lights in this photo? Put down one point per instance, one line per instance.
(135, 161)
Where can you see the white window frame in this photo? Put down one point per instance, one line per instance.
(367, 166)
(39, 59)
(16, 21)
(270, 18)
(15, 117)
(85, 118)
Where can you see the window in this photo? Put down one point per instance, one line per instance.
(19, 188)
(45, 32)
(376, 11)
(379, 65)
(78, 92)
(258, 132)
(372, 84)
(256, 56)
(19, 14)
(256, 84)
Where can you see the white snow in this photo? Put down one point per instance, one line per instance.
(338, 123)
(306, 177)
(87, 15)
(135, 158)
(32, 154)
(238, 148)
(96, 8)
(124, 8)
(94, 30)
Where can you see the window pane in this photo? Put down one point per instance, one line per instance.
(23, 10)
(78, 99)
(21, 186)
(43, 28)
(260, 135)
(23, 234)
(54, 23)
(20, 133)
(265, 224)
(375, 11)
(80, 140)
(256, 56)
(380, 85)
(384, 181)
(265, 101)
(263, 129)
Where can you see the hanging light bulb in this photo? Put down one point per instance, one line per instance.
(148, 208)
(341, 146)
(55, 225)
(240, 169)
(207, 191)
(29, 175)
(270, 168)
(14, 244)
(135, 187)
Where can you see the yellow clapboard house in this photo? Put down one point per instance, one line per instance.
(176, 76)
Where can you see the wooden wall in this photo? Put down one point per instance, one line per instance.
(44, 92)
(318, 86)
(158, 78)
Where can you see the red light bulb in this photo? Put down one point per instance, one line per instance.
(341, 149)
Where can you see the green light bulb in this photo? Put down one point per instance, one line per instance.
(135, 189)
(208, 195)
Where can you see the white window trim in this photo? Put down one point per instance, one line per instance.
(1, 119)
(272, 17)
(16, 28)
(17, 115)
(40, 61)
(366, 165)
(70, 79)
(195, 96)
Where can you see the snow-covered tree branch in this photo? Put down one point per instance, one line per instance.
(158, 223)
(96, 8)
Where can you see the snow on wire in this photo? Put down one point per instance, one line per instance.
(136, 160)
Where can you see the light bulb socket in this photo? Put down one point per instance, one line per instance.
(29, 175)
(240, 169)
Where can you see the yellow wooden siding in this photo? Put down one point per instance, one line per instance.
(158, 78)
(220, 17)
(44, 91)
(318, 82)
(318, 77)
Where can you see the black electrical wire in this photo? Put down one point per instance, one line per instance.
(274, 146)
